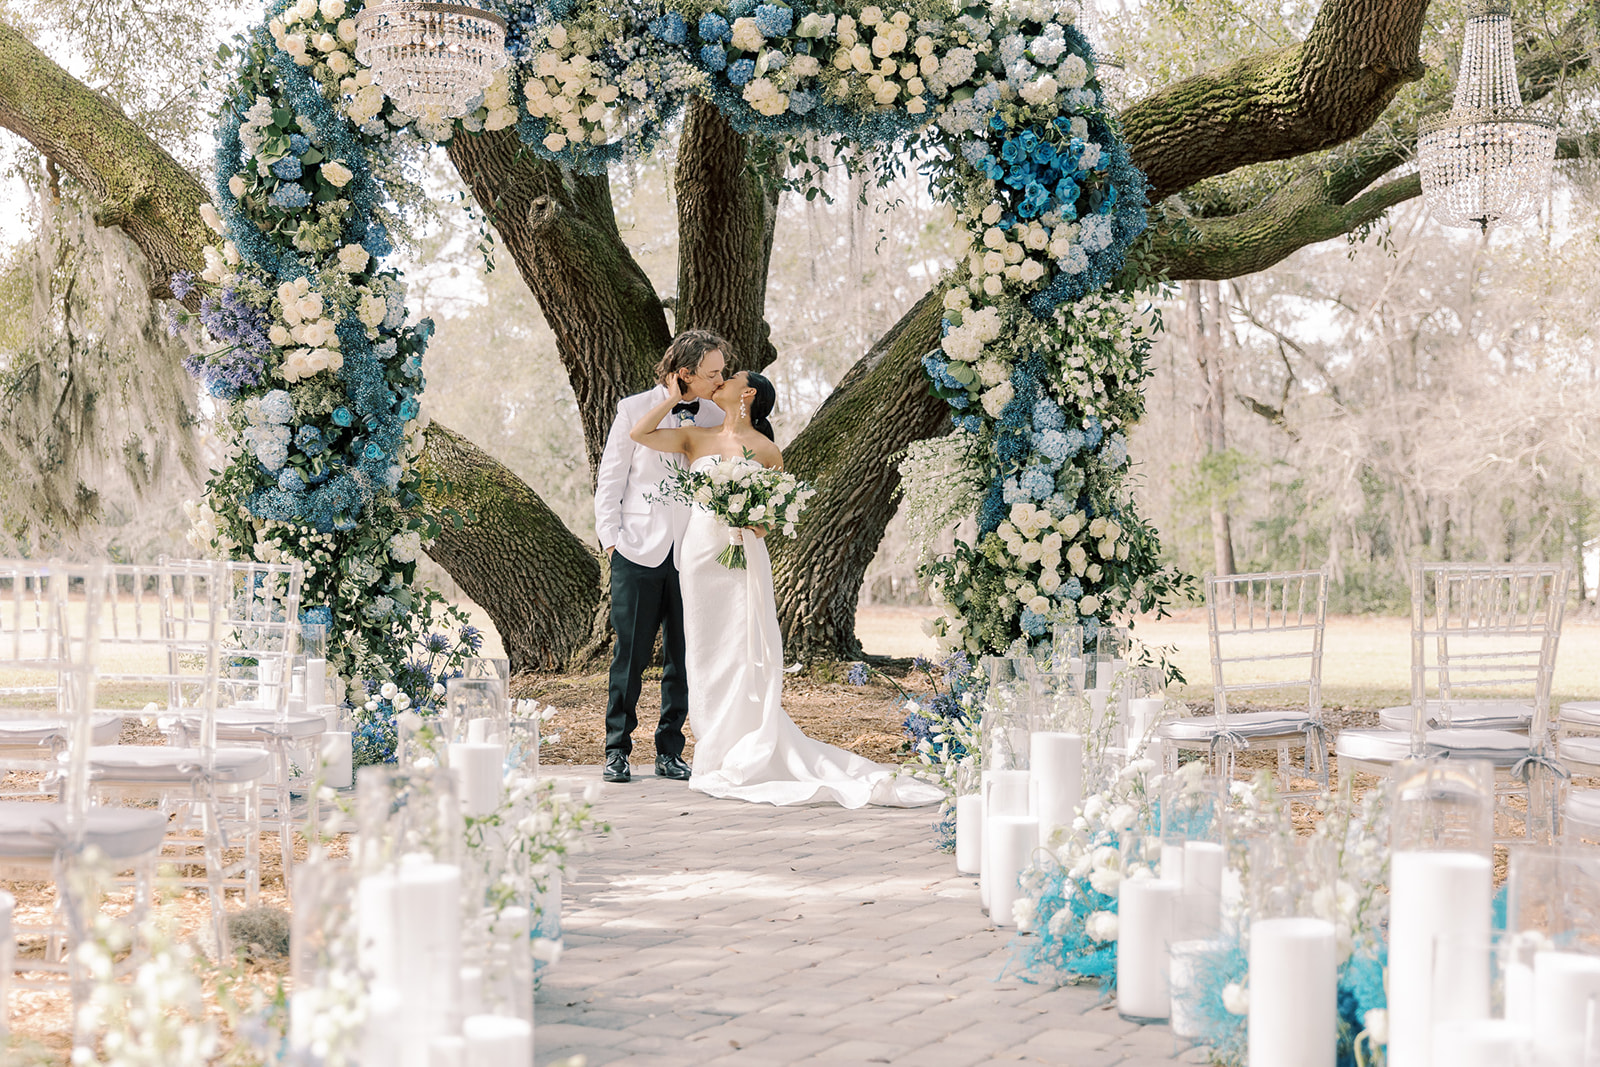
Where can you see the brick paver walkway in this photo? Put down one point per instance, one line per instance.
(718, 932)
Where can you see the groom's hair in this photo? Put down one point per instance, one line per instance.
(688, 349)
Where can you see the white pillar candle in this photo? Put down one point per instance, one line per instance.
(1012, 839)
(1202, 889)
(1438, 911)
(1189, 961)
(1147, 912)
(447, 1052)
(337, 758)
(510, 990)
(969, 833)
(1172, 862)
(1056, 762)
(1294, 1000)
(498, 1041)
(409, 939)
(480, 768)
(1479, 1043)
(316, 682)
(472, 990)
(1564, 986)
(1004, 793)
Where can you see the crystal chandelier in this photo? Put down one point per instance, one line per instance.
(431, 59)
(1489, 158)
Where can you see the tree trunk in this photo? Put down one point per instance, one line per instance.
(514, 558)
(849, 453)
(727, 208)
(561, 230)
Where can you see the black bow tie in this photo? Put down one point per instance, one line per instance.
(691, 407)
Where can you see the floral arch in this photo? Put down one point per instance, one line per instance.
(318, 373)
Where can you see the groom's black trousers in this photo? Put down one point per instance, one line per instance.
(645, 600)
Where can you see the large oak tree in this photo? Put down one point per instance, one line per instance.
(1325, 103)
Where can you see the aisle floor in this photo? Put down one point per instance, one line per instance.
(709, 931)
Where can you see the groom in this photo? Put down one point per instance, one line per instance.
(639, 534)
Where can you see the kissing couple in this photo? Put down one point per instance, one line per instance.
(722, 649)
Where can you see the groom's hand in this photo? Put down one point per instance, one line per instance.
(610, 550)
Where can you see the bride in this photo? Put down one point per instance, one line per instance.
(746, 746)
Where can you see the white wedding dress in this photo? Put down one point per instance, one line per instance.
(745, 746)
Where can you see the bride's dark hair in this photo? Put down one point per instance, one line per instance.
(760, 407)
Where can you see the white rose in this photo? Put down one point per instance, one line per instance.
(1236, 998)
(993, 285)
(347, 31)
(278, 336)
(295, 44)
(332, 10)
(556, 36)
(208, 214)
(1101, 926)
(555, 142)
(236, 185)
(1089, 605)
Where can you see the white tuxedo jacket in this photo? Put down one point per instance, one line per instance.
(627, 516)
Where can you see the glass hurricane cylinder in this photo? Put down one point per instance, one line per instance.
(1192, 851)
(1066, 652)
(478, 721)
(1146, 704)
(1007, 713)
(323, 959)
(969, 818)
(1440, 886)
(1147, 927)
(523, 739)
(1552, 958)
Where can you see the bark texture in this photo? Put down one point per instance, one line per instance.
(135, 183)
(727, 207)
(516, 559)
(848, 452)
(562, 232)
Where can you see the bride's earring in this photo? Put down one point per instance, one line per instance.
(744, 410)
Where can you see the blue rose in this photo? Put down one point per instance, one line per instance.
(992, 168)
(742, 71)
(342, 417)
(1013, 151)
(997, 124)
(713, 57)
(713, 27)
(373, 450)
(1067, 191)
(1044, 153)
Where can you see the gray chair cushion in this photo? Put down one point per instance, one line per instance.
(1580, 750)
(167, 765)
(45, 732)
(1464, 714)
(1581, 712)
(30, 831)
(1501, 747)
(1245, 724)
(1583, 805)
(254, 724)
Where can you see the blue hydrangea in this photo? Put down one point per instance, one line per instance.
(713, 57)
(670, 28)
(1047, 415)
(299, 144)
(288, 168)
(1053, 445)
(289, 481)
(713, 27)
(376, 242)
(276, 406)
(741, 71)
(1013, 493)
(272, 453)
(969, 423)
(802, 103)
(289, 198)
(1072, 589)
(1115, 452)
(1076, 439)
(1058, 506)
(740, 8)
(1034, 624)
(774, 20)
(1038, 482)
(1092, 432)
(308, 439)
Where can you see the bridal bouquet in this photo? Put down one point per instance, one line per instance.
(742, 493)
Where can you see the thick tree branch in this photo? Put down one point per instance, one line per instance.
(727, 208)
(137, 186)
(562, 232)
(1275, 105)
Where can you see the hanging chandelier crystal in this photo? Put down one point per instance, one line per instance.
(1489, 158)
(431, 59)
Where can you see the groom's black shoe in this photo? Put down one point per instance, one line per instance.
(617, 769)
(672, 767)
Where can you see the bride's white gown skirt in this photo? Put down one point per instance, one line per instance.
(745, 746)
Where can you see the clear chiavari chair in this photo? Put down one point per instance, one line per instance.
(259, 704)
(48, 645)
(1483, 652)
(160, 649)
(1266, 633)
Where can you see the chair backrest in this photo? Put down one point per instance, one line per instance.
(259, 638)
(159, 639)
(1266, 634)
(1486, 629)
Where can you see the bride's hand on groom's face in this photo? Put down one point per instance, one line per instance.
(675, 386)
